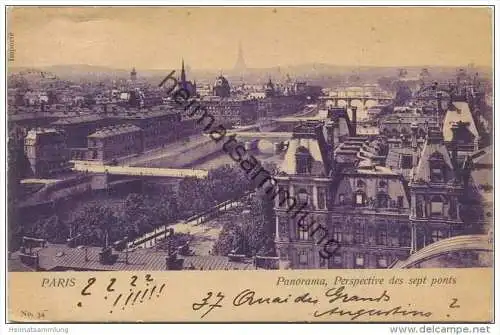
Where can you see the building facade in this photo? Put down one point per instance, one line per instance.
(46, 151)
(275, 106)
(231, 111)
(160, 125)
(108, 145)
(375, 215)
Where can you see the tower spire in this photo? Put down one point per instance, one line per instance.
(240, 61)
(183, 73)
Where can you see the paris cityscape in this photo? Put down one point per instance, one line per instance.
(390, 167)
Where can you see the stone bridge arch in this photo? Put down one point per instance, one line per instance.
(357, 103)
(370, 103)
(342, 102)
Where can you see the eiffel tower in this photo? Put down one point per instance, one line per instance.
(240, 62)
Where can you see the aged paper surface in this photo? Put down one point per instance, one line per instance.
(259, 296)
(250, 164)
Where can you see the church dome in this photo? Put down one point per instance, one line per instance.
(222, 87)
(221, 81)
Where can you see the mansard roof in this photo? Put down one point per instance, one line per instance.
(434, 148)
(307, 137)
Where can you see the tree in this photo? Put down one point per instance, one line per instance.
(96, 222)
(165, 209)
(249, 233)
(137, 215)
(194, 196)
(229, 239)
(51, 229)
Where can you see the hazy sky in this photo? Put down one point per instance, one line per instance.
(157, 38)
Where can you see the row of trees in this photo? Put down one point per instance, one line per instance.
(252, 232)
(224, 183)
(100, 224)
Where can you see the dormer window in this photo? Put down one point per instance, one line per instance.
(437, 175)
(303, 161)
(437, 168)
(382, 200)
(341, 199)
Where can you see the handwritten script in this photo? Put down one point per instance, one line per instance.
(339, 302)
(140, 289)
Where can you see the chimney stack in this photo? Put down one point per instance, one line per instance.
(414, 134)
(466, 172)
(354, 119)
(330, 129)
(454, 144)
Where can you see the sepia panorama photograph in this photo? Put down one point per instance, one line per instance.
(244, 138)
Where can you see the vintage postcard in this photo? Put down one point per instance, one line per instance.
(250, 164)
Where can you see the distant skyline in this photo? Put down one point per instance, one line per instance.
(207, 38)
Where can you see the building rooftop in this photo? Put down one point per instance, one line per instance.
(78, 120)
(131, 114)
(459, 113)
(34, 133)
(60, 256)
(372, 170)
(114, 130)
(433, 148)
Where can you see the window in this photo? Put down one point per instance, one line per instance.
(437, 167)
(406, 162)
(404, 236)
(437, 175)
(303, 161)
(302, 257)
(382, 200)
(322, 261)
(283, 227)
(337, 260)
(436, 205)
(360, 183)
(437, 235)
(341, 199)
(337, 233)
(381, 262)
(359, 260)
(94, 154)
(360, 199)
(359, 235)
(302, 198)
(452, 211)
(382, 236)
(303, 232)
(282, 195)
(321, 197)
(382, 183)
(401, 200)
